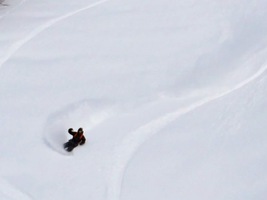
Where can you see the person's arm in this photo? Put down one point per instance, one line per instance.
(71, 131)
(83, 140)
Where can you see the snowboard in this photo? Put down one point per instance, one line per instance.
(68, 146)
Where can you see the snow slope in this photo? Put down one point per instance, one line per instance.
(171, 95)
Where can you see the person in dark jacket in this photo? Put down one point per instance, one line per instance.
(77, 139)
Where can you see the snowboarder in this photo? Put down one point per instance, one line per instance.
(77, 139)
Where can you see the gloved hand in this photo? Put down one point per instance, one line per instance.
(70, 130)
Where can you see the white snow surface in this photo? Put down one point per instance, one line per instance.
(172, 96)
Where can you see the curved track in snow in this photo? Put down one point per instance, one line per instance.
(131, 143)
(17, 45)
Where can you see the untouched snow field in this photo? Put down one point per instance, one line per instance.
(172, 96)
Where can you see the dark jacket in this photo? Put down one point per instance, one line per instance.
(78, 137)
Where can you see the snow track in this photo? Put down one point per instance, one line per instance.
(17, 45)
(132, 142)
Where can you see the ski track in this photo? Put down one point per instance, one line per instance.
(10, 192)
(16, 46)
(131, 143)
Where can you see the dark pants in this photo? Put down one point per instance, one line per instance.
(70, 145)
